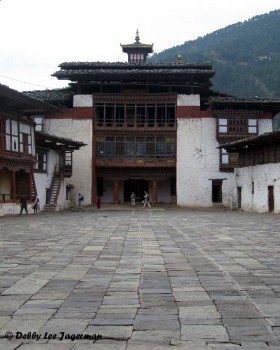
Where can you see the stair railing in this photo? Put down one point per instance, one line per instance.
(59, 185)
(51, 188)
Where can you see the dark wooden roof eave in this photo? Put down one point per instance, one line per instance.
(52, 96)
(140, 74)
(147, 78)
(128, 48)
(265, 139)
(55, 142)
(264, 103)
(132, 65)
(19, 101)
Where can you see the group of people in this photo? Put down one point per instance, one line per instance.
(146, 201)
(35, 204)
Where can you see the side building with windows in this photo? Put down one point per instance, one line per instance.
(257, 172)
(153, 126)
(32, 162)
(17, 147)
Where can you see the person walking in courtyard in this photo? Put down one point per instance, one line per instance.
(81, 199)
(132, 197)
(23, 205)
(146, 200)
(35, 204)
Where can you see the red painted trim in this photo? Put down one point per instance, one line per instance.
(267, 115)
(17, 155)
(73, 113)
(192, 112)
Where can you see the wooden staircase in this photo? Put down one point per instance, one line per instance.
(55, 189)
(33, 189)
(51, 204)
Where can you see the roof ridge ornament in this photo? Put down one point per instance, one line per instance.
(179, 57)
(137, 37)
(137, 52)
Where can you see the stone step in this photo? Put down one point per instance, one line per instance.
(50, 207)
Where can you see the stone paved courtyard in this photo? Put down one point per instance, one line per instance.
(159, 278)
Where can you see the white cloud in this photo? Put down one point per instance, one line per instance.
(38, 35)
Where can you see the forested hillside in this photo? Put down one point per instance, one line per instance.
(245, 56)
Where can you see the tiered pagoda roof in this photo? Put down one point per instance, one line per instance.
(181, 77)
(100, 70)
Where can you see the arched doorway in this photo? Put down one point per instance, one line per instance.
(136, 185)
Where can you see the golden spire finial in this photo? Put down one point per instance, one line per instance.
(137, 37)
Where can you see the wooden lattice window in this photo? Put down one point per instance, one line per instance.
(135, 114)
(252, 126)
(272, 156)
(2, 134)
(277, 154)
(41, 158)
(266, 155)
(238, 125)
(136, 147)
(223, 125)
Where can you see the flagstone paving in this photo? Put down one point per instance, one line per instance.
(153, 279)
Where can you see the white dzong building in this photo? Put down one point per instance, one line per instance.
(153, 127)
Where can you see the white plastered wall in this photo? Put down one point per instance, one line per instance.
(12, 209)
(244, 177)
(255, 197)
(77, 130)
(43, 180)
(265, 125)
(198, 160)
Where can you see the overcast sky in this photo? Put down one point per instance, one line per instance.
(38, 35)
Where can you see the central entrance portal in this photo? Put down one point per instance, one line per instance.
(136, 185)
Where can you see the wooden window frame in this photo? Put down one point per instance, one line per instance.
(41, 165)
(151, 115)
(222, 123)
(137, 147)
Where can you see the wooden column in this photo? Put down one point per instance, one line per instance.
(13, 186)
(155, 192)
(29, 186)
(94, 187)
(116, 192)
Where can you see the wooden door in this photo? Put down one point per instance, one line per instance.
(217, 195)
(239, 197)
(138, 186)
(270, 198)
